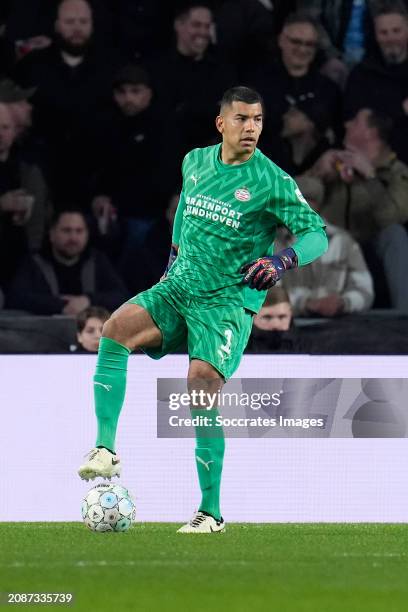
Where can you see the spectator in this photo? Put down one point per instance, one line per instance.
(17, 100)
(339, 282)
(302, 142)
(346, 32)
(30, 25)
(366, 192)
(89, 328)
(380, 81)
(73, 79)
(190, 79)
(67, 275)
(366, 184)
(134, 147)
(23, 201)
(291, 82)
(273, 330)
(276, 312)
(29, 142)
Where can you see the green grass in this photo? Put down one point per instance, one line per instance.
(282, 567)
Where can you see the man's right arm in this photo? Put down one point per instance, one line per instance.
(178, 221)
(175, 240)
(177, 225)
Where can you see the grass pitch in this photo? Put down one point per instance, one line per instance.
(282, 567)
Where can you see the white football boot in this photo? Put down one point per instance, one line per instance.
(202, 522)
(100, 462)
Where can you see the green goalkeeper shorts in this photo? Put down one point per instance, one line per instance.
(215, 333)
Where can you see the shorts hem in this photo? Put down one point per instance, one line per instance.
(213, 364)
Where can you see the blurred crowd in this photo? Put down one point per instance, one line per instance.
(101, 99)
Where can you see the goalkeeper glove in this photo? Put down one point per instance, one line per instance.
(172, 259)
(265, 272)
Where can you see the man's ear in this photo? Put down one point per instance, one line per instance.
(219, 123)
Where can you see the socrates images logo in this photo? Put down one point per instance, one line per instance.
(243, 194)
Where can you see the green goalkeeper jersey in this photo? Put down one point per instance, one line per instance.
(228, 215)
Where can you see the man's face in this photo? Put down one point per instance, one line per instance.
(74, 26)
(298, 43)
(274, 318)
(240, 125)
(193, 32)
(21, 113)
(7, 129)
(69, 236)
(357, 130)
(91, 334)
(132, 99)
(391, 33)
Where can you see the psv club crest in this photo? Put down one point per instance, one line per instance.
(243, 194)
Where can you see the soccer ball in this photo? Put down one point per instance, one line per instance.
(108, 507)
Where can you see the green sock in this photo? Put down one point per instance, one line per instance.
(209, 454)
(109, 389)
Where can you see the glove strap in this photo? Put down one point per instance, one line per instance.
(172, 257)
(288, 258)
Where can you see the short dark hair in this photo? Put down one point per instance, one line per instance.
(276, 295)
(382, 123)
(98, 312)
(184, 11)
(302, 17)
(66, 210)
(241, 94)
(389, 7)
(57, 6)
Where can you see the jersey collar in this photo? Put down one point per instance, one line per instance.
(221, 167)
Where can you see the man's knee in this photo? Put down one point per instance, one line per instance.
(132, 326)
(204, 370)
(116, 326)
(202, 376)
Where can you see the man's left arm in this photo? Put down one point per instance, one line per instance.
(289, 206)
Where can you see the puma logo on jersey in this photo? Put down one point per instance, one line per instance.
(206, 464)
(106, 387)
(195, 178)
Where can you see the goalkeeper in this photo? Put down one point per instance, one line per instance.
(220, 267)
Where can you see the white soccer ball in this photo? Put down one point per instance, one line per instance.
(108, 507)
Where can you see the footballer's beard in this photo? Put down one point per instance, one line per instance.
(74, 49)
